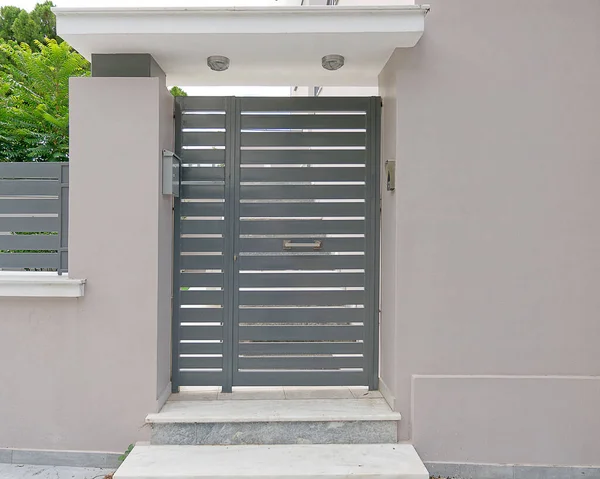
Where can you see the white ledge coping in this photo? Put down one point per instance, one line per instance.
(39, 284)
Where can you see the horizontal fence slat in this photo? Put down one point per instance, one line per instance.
(28, 242)
(301, 315)
(274, 104)
(320, 362)
(255, 192)
(287, 139)
(202, 297)
(303, 262)
(298, 280)
(279, 122)
(30, 224)
(203, 138)
(198, 173)
(201, 348)
(202, 192)
(259, 349)
(29, 187)
(29, 206)
(201, 332)
(301, 378)
(202, 103)
(29, 260)
(201, 378)
(202, 121)
(293, 298)
(302, 209)
(200, 363)
(201, 262)
(292, 227)
(300, 333)
(207, 245)
(30, 170)
(201, 315)
(202, 227)
(203, 156)
(328, 245)
(303, 174)
(302, 157)
(202, 209)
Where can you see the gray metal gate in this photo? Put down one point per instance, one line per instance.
(276, 242)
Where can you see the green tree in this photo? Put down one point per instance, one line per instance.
(8, 15)
(34, 100)
(25, 30)
(176, 91)
(42, 15)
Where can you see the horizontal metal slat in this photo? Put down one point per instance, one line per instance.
(302, 209)
(197, 173)
(201, 378)
(201, 332)
(320, 262)
(300, 333)
(201, 362)
(199, 245)
(301, 315)
(29, 260)
(202, 121)
(202, 209)
(255, 192)
(202, 103)
(201, 315)
(194, 227)
(276, 245)
(30, 224)
(201, 262)
(301, 280)
(29, 206)
(320, 362)
(30, 170)
(29, 188)
(301, 378)
(292, 227)
(301, 157)
(202, 138)
(280, 122)
(294, 298)
(201, 297)
(303, 174)
(201, 348)
(273, 104)
(287, 139)
(28, 242)
(260, 349)
(212, 156)
(202, 192)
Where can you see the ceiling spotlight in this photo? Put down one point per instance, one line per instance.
(332, 62)
(217, 63)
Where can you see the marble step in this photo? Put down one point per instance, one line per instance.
(314, 421)
(373, 461)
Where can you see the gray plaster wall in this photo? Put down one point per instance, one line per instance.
(491, 292)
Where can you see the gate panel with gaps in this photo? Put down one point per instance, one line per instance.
(276, 258)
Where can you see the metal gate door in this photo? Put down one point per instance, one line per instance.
(276, 242)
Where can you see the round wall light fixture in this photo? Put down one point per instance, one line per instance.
(332, 62)
(217, 63)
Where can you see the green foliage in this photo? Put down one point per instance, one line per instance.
(25, 29)
(19, 26)
(8, 15)
(176, 91)
(34, 100)
(45, 20)
(123, 456)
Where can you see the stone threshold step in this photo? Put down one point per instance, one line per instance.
(372, 461)
(305, 410)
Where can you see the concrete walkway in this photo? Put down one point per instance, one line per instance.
(19, 471)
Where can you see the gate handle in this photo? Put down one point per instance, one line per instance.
(289, 244)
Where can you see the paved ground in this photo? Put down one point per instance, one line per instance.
(18, 471)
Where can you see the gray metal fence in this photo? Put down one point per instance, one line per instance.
(34, 215)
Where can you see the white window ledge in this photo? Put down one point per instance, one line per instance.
(39, 285)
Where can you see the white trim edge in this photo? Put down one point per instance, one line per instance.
(387, 394)
(39, 285)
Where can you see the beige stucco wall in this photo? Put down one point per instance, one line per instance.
(494, 123)
(82, 373)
